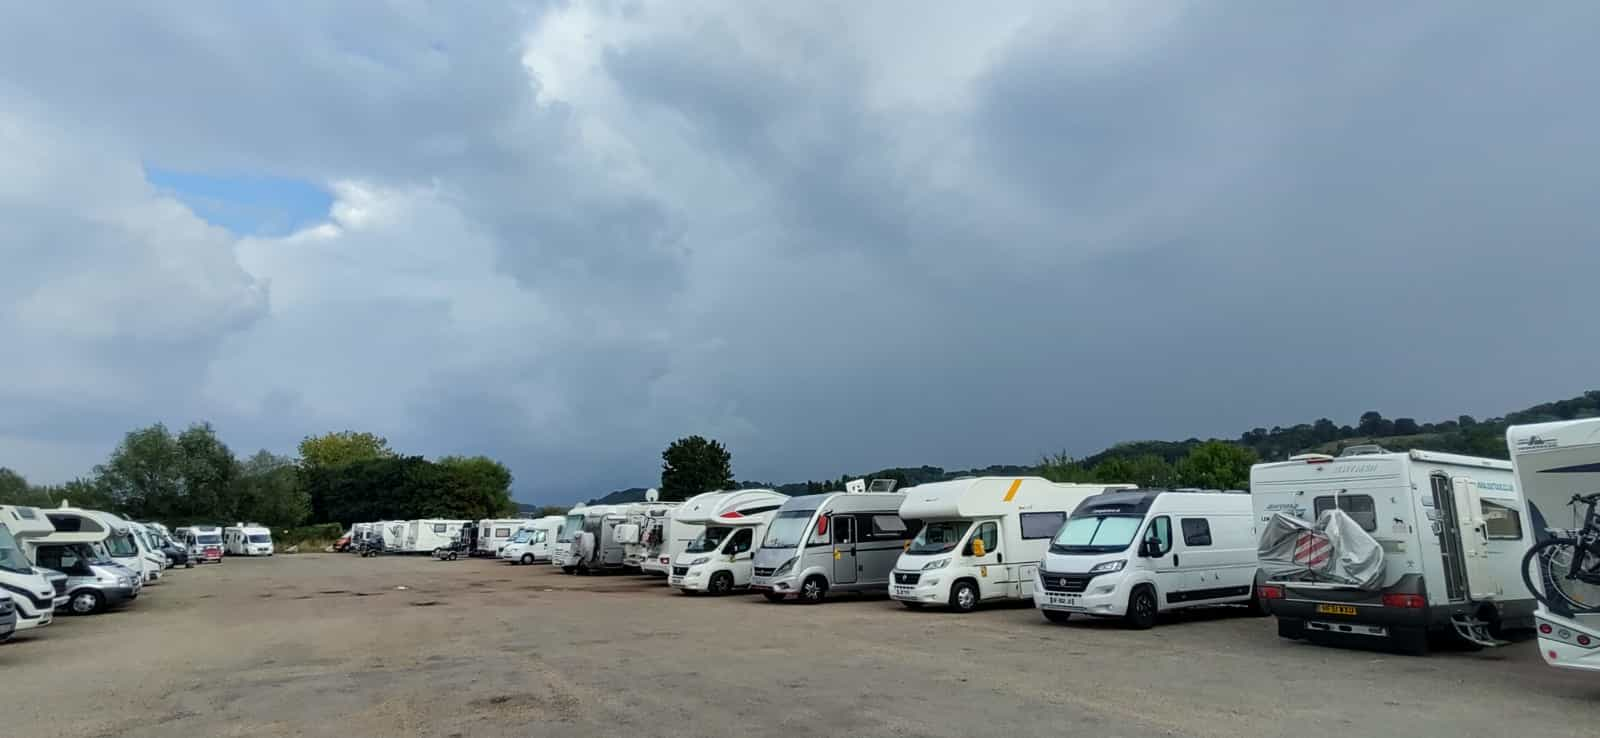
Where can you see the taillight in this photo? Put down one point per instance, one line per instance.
(1269, 593)
(1545, 628)
(1406, 601)
(1583, 640)
(731, 514)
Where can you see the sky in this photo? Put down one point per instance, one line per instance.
(837, 236)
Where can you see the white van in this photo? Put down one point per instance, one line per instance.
(116, 534)
(247, 539)
(833, 542)
(534, 541)
(722, 558)
(645, 532)
(982, 538)
(1554, 462)
(1132, 554)
(34, 595)
(495, 533)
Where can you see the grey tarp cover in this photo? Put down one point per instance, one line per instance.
(1335, 550)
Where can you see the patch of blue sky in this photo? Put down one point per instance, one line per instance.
(246, 205)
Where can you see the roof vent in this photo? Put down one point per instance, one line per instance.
(1365, 449)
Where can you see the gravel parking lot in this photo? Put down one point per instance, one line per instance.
(324, 645)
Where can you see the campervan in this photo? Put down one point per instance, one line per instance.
(1553, 463)
(247, 539)
(111, 531)
(1442, 536)
(423, 536)
(204, 542)
(600, 523)
(677, 533)
(644, 531)
(534, 540)
(563, 545)
(1132, 554)
(981, 538)
(722, 558)
(832, 542)
(94, 581)
(494, 534)
(32, 592)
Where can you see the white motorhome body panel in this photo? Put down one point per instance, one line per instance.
(423, 536)
(1553, 462)
(747, 513)
(32, 593)
(836, 541)
(495, 533)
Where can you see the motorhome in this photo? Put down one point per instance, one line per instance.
(152, 544)
(600, 522)
(95, 582)
(722, 558)
(204, 543)
(534, 541)
(114, 533)
(645, 531)
(32, 592)
(247, 539)
(493, 534)
(833, 542)
(1553, 463)
(982, 538)
(1133, 554)
(423, 536)
(1445, 535)
(677, 533)
(560, 550)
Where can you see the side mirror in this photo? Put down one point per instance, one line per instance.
(1149, 548)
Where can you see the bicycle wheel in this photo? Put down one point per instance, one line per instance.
(1562, 585)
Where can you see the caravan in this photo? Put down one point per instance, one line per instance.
(35, 594)
(598, 523)
(1193, 548)
(1554, 463)
(247, 539)
(722, 558)
(425, 536)
(1385, 548)
(833, 542)
(981, 538)
(491, 535)
(534, 541)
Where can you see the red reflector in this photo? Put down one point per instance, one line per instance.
(1545, 628)
(1270, 593)
(1583, 640)
(1552, 655)
(1407, 601)
(732, 514)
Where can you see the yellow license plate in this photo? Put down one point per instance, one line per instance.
(1336, 609)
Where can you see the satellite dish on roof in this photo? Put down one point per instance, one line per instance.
(652, 494)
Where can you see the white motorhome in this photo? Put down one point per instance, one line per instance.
(561, 549)
(645, 532)
(678, 532)
(982, 538)
(1451, 532)
(247, 539)
(1553, 463)
(34, 595)
(494, 534)
(112, 532)
(600, 523)
(423, 536)
(722, 558)
(204, 542)
(833, 542)
(534, 541)
(1133, 554)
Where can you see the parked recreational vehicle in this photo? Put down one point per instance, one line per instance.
(494, 534)
(204, 542)
(678, 532)
(832, 542)
(644, 531)
(32, 592)
(570, 524)
(1445, 535)
(247, 539)
(1136, 553)
(114, 533)
(1555, 462)
(534, 541)
(981, 538)
(95, 582)
(600, 523)
(423, 536)
(722, 558)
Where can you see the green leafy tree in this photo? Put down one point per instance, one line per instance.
(144, 476)
(477, 487)
(14, 489)
(344, 447)
(694, 465)
(1216, 465)
(207, 472)
(268, 491)
(1062, 467)
(1149, 471)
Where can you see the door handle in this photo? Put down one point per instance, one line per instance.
(1000, 558)
(1175, 560)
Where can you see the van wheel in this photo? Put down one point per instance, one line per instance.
(1056, 616)
(1141, 609)
(814, 590)
(721, 583)
(87, 602)
(1255, 607)
(964, 597)
(527, 559)
(773, 596)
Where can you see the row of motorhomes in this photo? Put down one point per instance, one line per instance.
(83, 561)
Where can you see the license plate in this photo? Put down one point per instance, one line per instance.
(1336, 609)
(760, 587)
(675, 581)
(1061, 600)
(902, 591)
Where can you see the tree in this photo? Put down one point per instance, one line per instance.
(337, 449)
(268, 491)
(476, 487)
(14, 490)
(144, 475)
(207, 472)
(1216, 465)
(694, 465)
(1062, 467)
(1149, 471)
(1406, 427)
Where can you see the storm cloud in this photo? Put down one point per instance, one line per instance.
(836, 236)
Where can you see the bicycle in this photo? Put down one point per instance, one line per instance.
(1569, 564)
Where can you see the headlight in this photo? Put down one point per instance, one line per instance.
(1108, 567)
(936, 564)
(787, 565)
(124, 581)
(701, 560)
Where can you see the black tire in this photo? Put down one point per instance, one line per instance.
(1256, 608)
(527, 559)
(1291, 629)
(774, 596)
(721, 583)
(963, 596)
(813, 590)
(1056, 616)
(1142, 606)
(86, 602)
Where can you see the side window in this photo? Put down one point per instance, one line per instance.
(50, 558)
(439, 527)
(989, 533)
(1196, 531)
(539, 536)
(1359, 507)
(502, 532)
(843, 530)
(1160, 531)
(1042, 525)
(741, 541)
(1503, 523)
(883, 528)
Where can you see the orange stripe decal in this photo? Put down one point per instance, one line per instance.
(1010, 493)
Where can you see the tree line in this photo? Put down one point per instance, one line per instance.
(343, 477)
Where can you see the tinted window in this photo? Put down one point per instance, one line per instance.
(1160, 531)
(843, 531)
(742, 541)
(884, 528)
(1502, 522)
(502, 532)
(439, 527)
(1358, 507)
(1196, 531)
(1042, 525)
(989, 533)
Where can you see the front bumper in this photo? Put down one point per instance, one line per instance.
(1100, 595)
(696, 579)
(930, 587)
(119, 595)
(655, 565)
(40, 620)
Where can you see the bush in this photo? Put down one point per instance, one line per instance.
(307, 537)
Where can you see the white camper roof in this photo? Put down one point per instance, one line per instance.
(25, 522)
(730, 508)
(848, 502)
(986, 497)
(1555, 461)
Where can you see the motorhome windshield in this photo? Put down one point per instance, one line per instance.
(260, 538)
(209, 540)
(11, 558)
(522, 536)
(121, 545)
(708, 541)
(939, 537)
(573, 525)
(788, 529)
(1096, 534)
